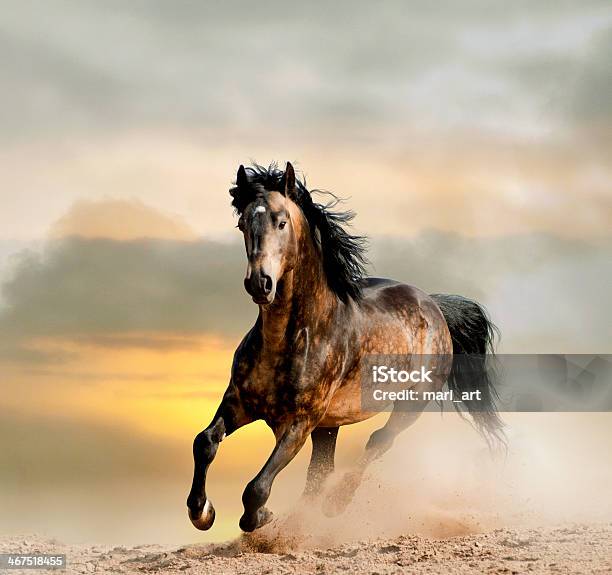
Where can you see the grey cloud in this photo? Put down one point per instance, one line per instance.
(101, 291)
(79, 286)
(218, 67)
(590, 97)
(8, 251)
(547, 294)
(474, 266)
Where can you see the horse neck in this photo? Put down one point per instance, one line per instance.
(303, 298)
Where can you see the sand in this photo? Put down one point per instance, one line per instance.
(576, 548)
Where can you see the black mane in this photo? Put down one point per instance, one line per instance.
(343, 254)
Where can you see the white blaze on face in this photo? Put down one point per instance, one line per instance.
(260, 210)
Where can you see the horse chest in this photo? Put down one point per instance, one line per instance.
(272, 388)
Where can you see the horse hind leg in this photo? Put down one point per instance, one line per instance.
(321, 461)
(341, 494)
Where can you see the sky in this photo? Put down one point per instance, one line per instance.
(472, 138)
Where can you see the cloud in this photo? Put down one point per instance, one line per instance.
(120, 220)
(558, 308)
(111, 293)
(102, 286)
(477, 112)
(88, 67)
(475, 266)
(547, 294)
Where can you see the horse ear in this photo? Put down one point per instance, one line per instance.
(289, 181)
(241, 178)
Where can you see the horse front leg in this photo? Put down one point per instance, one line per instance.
(288, 444)
(229, 417)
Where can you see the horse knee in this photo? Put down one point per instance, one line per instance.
(202, 442)
(205, 445)
(208, 440)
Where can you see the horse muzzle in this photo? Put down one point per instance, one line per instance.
(261, 287)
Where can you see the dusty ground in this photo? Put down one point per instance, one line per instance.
(560, 550)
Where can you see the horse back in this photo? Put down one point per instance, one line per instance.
(403, 317)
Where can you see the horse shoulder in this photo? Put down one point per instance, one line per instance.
(245, 356)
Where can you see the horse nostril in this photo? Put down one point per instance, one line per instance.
(267, 284)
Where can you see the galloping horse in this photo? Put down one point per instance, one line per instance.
(299, 366)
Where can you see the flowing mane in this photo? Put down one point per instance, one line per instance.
(343, 254)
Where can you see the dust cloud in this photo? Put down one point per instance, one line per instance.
(440, 480)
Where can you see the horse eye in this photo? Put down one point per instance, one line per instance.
(282, 225)
(240, 225)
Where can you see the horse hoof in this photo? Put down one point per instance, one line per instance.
(251, 522)
(203, 520)
(341, 495)
(265, 516)
(334, 506)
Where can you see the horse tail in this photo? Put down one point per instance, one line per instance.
(473, 334)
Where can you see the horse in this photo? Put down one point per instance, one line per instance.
(298, 368)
